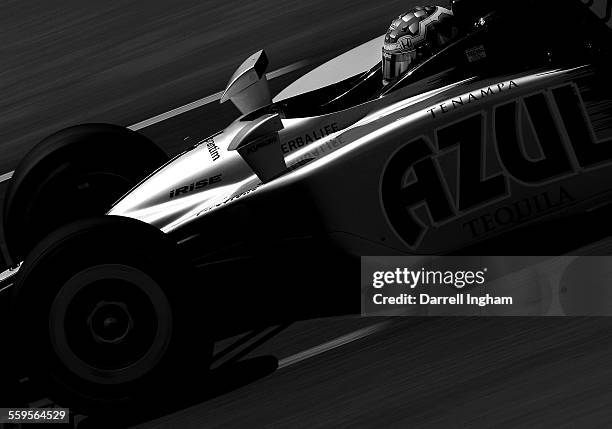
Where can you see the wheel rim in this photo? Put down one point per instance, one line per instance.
(110, 324)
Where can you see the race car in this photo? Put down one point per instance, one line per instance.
(470, 129)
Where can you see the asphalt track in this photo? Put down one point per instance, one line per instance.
(434, 373)
(125, 61)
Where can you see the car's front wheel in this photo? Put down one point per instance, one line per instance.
(100, 315)
(73, 174)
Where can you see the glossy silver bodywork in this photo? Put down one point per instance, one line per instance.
(337, 159)
(355, 133)
(150, 202)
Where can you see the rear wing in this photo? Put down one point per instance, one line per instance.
(601, 8)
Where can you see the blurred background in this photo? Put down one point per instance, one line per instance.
(124, 61)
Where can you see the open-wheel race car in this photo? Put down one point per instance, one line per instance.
(482, 127)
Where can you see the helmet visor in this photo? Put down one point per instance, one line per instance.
(396, 64)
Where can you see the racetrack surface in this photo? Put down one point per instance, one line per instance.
(433, 373)
(125, 61)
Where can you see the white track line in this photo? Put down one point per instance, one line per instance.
(194, 105)
(175, 112)
(330, 345)
(209, 99)
(6, 176)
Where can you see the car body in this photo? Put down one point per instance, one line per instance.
(347, 144)
(498, 151)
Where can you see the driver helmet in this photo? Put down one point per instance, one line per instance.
(415, 36)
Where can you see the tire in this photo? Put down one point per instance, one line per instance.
(102, 316)
(75, 173)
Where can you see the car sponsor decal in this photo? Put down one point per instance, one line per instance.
(476, 54)
(324, 148)
(517, 212)
(213, 149)
(463, 100)
(310, 137)
(229, 200)
(190, 187)
(413, 177)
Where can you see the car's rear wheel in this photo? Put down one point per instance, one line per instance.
(75, 173)
(101, 309)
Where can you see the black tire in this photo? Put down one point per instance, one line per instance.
(73, 174)
(102, 317)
